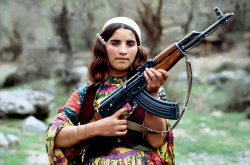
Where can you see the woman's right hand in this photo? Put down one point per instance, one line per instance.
(112, 125)
(109, 126)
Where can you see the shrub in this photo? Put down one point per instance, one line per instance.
(238, 96)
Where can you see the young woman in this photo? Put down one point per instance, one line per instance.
(117, 53)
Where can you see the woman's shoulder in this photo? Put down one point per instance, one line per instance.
(82, 89)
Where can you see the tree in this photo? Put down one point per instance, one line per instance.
(186, 25)
(85, 14)
(151, 22)
(15, 42)
(61, 24)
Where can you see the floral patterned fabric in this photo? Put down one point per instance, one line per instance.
(69, 115)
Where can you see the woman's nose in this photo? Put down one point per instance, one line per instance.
(123, 49)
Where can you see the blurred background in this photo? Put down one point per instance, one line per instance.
(45, 49)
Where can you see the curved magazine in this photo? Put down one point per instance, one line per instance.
(168, 110)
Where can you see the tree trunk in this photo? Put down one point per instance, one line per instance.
(151, 22)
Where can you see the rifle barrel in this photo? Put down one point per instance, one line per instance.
(204, 34)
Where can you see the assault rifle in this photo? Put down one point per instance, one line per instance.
(134, 89)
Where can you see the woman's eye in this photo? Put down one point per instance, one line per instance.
(131, 44)
(115, 43)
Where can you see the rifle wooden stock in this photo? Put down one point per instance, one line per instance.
(168, 58)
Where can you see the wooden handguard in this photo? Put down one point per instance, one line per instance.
(168, 58)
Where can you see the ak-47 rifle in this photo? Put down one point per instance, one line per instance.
(133, 89)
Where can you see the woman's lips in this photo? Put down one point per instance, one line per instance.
(122, 59)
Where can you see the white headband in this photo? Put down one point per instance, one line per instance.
(126, 21)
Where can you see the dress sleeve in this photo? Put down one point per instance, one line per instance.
(55, 154)
(67, 115)
(73, 106)
(163, 94)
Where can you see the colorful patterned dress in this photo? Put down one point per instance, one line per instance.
(69, 115)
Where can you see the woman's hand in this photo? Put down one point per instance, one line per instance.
(155, 79)
(112, 125)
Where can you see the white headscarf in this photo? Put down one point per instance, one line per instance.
(126, 21)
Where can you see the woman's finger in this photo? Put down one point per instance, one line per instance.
(146, 76)
(118, 113)
(121, 133)
(151, 74)
(157, 74)
(121, 127)
(164, 73)
(122, 122)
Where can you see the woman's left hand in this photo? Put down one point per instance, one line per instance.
(155, 79)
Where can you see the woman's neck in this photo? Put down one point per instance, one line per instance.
(114, 73)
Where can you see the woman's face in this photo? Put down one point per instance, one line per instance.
(121, 49)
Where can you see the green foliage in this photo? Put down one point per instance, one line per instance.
(14, 123)
(224, 135)
(12, 158)
(31, 141)
(238, 96)
(209, 132)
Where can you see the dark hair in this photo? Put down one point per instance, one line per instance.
(99, 68)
